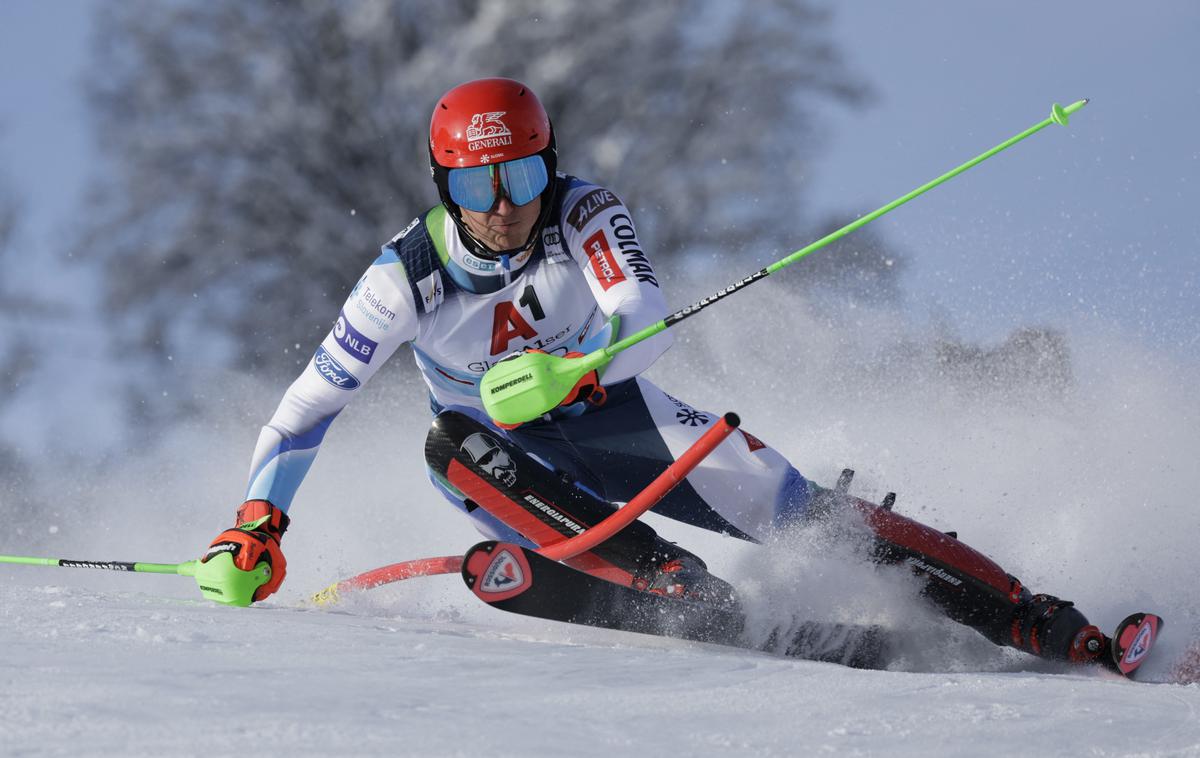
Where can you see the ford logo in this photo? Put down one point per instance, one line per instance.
(334, 372)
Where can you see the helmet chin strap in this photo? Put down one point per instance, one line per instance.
(479, 248)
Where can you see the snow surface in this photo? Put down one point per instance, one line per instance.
(1085, 493)
(123, 673)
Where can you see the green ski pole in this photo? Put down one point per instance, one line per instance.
(218, 579)
(512, 396)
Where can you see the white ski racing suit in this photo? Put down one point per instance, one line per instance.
(583, 285)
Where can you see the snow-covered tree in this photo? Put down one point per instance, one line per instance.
(261, 153)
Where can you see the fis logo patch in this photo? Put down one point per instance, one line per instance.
(431, 291)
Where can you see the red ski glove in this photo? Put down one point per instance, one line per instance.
(587, 388)
(254, 538)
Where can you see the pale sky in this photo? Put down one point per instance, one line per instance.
(1096, 223)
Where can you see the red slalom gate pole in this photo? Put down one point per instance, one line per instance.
(647, 498)
(559, 551)
(446, 564)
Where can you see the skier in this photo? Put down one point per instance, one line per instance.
(520, 257)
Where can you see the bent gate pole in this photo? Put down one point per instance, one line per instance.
(559, 551)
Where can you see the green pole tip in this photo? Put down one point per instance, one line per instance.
(1060, 115)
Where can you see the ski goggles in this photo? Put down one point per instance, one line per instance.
(478, 188)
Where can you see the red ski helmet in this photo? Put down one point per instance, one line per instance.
(486, 122)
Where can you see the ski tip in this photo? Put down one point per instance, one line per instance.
(496, 571)
(1133, 640)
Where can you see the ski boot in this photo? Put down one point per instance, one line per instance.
(687, 577)
(1125, 651)
(1054, 629)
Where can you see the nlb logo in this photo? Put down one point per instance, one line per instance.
(333, 372)
(488, 130)
(357, 346)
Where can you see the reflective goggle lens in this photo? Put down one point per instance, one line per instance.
(478, 187)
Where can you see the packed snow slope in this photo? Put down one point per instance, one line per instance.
(1083, 486)
(124, 673)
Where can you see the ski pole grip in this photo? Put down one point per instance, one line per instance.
(647, 498)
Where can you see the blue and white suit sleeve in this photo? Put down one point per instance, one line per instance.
(378, 317)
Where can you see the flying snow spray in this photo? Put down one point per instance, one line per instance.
(526, 385)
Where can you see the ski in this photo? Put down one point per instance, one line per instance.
(518, 580)
(1132, 642)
